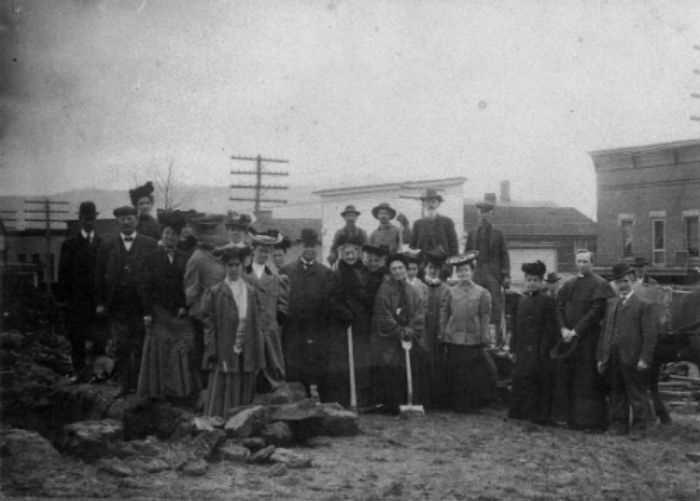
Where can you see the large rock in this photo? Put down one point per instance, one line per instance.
(115, 467)
(195, 468)
(337, 421)
(207, 423)
(246, 422)
(263, 455)
(286, 393)
(204, 445)
(252, 443)
(231, 451)
(276, 433)
(297, 411)
(91, 440)
(290, 458)
(143, 417)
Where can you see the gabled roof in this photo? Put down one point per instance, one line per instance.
(428, 183)
(534, 221)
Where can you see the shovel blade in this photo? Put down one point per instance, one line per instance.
(406, 411)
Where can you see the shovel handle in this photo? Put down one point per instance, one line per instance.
(409, 376)
(351, 364)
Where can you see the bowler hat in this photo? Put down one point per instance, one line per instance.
(350, 209)
(308, 237)
(376, 250)
(141, 191)
(468, 257)
(431, 194)
(620, 270)
(171, 219)
(562, 350)
(87, 210)
(639, 261)
(552, 277)
(236, 220)
(384, 206)
(488, 203)
(124, 210)
(269, 237)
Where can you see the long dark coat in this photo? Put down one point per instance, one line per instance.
(273, 294)
(579, 395)
(76, 274)
(436, 235)
(162, 283)
(304, 335)
(634, 325)
(534, 335)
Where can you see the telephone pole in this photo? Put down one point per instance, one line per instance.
(47, 211)
(259, 172)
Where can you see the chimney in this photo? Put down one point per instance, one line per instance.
(505, 191)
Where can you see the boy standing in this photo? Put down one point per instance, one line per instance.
(625, 352)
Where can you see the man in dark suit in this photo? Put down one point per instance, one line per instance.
(625, 352)
(118, 276)
(76, 278)
(434, 232)
(493, 266)
(305, 329)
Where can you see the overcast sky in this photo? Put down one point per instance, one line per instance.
(351, 92)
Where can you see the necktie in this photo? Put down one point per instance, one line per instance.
(128, 239)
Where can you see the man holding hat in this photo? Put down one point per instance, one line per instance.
(493, 265)
(119, 272)
(625, 352)
(640, 266)
(142, 200)
(434, 232)
(349, 231)
(273, 294)
(305, 329)
(386, 234)
(76, 280)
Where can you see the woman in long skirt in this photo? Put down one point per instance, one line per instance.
(167, 366)
(464, 321)
(234, 348)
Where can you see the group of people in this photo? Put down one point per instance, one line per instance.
(187, 311)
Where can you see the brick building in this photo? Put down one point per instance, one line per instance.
(649, 204)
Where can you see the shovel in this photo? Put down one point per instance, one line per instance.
(351, 363)
(213, 384)
(409, 410)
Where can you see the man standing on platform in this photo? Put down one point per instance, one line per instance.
(118, 275)
(493, 265)
(348, 232)
(434, 232)
(76, 279)
(579, 396)
(386, 234)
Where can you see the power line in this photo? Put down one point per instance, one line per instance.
(47, 211)
(259, 172)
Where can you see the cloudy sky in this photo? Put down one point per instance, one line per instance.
(94, 92)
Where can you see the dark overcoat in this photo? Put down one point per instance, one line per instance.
(437, 235)
(496, 261)
(163, 281)
(220, 319)
(76, 274)
(535, 333)
(304, 332)
(634, 326)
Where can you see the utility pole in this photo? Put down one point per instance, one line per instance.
(695, 95)
(47, 211)
(259, 172)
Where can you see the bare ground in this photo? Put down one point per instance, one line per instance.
(450, 456)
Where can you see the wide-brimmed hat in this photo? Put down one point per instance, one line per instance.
(376, 250)
(350, 209)
(87, 210)
(124, 210)
(269, 237)
(230, 252)
(537, 269)
(461, 259)
(171, 219)
(431, 194)
(639, 261)
(284, 244)
(308, 237)
(552, 277)
(236, 220)
(621, 270)
(139, 192)
(488, 203)
(384, 206)
(562, 350)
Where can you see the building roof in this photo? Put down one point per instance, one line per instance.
(429, 183)
(648, 148)
(534, 221)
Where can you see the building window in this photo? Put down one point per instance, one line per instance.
(658, 240)
(627, 234)
(692, 238)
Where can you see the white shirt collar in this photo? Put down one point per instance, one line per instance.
(258, 269)
(86, 235)
(625, 297)
(133, 235)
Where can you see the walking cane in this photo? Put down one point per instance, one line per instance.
(351, 362)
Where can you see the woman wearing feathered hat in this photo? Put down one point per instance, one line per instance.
(142, 200)
(464, 334)
(534, 335)
(167, 365)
